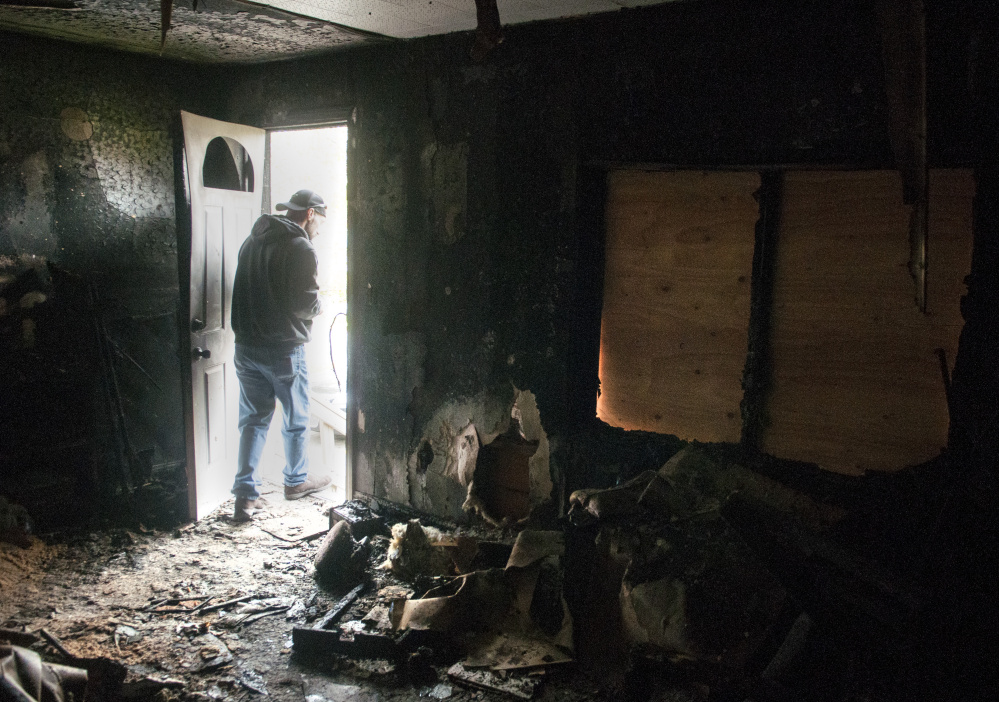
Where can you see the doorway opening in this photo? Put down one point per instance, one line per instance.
(315, 158)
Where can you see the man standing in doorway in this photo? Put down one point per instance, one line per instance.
(275, 297)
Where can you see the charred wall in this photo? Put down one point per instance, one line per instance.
(87, 204)
(476, 193)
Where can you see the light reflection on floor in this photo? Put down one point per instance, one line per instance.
(272, 462)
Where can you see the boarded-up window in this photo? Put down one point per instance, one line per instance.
(857, 379)
(676, 301)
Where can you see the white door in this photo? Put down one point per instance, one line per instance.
(225, 167)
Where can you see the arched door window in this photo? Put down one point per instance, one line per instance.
(227, 166)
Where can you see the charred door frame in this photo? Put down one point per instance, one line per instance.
(317, 119)
(182, 194)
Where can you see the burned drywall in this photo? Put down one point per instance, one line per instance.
(87, 197)
(482, 456)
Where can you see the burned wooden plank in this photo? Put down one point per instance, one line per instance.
(362, 521)
(517, 686)
(333, 616)
(489, 32)
(757, 378)
(394, 512)
(222, 605)
(269, 612)
(340, 560)
(322, 643)
(18, 638)
(166, 9)
(56, 644)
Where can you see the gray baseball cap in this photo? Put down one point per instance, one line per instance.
(303, 200)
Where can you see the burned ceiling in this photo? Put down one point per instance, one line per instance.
(201, 31)
(236, 31)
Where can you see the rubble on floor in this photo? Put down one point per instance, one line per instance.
(435, 599)
(700, 581)
(212, 611)
(24, 676)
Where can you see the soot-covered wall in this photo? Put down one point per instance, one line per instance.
(87, 196)
(476, 191)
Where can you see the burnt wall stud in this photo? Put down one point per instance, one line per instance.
(903, 40)
(757, 377)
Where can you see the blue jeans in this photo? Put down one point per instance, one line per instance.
(265, 374)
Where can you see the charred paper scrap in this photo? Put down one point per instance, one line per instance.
(689, 587)
(511, 618)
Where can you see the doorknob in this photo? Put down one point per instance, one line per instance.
(199, 352)
(197, 324)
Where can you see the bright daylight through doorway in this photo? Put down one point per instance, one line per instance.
(317, 159)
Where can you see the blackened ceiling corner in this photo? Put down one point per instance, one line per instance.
(201, 31)
(237, 31)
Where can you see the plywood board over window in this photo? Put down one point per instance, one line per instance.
(857, 379)
(675, 318)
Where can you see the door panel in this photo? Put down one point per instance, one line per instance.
(215, 401)
(220, 220)
(214, 262)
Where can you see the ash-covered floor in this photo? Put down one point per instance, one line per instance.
(132, 597)
(703, 581)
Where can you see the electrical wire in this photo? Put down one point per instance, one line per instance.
(329, 338)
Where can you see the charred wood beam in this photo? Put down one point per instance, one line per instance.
(974, 397)
(333, 616)
(591, 199)
(166, 9)
(758, 374)
(120, 446)
(903, 40)
(24, 639)
(489, 32)
(832, 582)
(394, 512)
(56, 644)
(322, 643)
(222, 605)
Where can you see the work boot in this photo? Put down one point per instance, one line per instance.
(310, 486)
(246, 508)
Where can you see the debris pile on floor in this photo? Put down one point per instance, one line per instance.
(490, 614)
(700, 581)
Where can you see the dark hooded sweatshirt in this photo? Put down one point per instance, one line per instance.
(276, 291)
